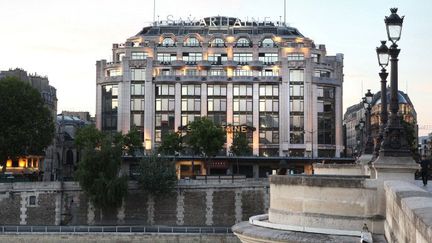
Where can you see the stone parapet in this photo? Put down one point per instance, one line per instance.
(408, 213)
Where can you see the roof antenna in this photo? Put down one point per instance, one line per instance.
(284, 12)
(154, 12)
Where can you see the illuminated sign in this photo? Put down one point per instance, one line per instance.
(227, 128)
(219, 21)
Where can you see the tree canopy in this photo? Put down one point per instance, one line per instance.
(205, 138)
(99, 169)
(156, 175)
(240, 145)
(26, 125)
(171, 143)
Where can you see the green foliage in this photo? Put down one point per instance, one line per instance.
(411, 135)
(26, 125)
(99, 169)
(240, 145)
(171, 143)
(205, 137)
(157, 175)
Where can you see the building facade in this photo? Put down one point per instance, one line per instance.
(355, 135)
(258, 74)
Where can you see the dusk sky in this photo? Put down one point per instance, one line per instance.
(63, 39)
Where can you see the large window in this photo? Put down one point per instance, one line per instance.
(217, 42)
(137, 104)
(296, 75)
(216, 90)
(242, 58)
(164, 110)
(268, 118)
(138, 74)
(191, 104)
(217, 58)
(114, 72)
(268, 58)
(168, 42)
(296, 105)
(137, 89)
(267, 42)
(191, 90)
(165, 89)
(191, 41)
(295, 57)
(192, 57)
(243, 42)
(165, 104)
(109, 107)
(217, 72)
(139, 55)
(297, 90)
(242, 72)
(166, 57)
(269, 72)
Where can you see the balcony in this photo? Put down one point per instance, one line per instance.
(256, 65)
(204, 64)
(197, 78)
(245, 78)
(228, 64)
(177, 64)
(166, 78)
(270, 78)
(325, 80)
(113, 79)
(138, 63)
(113, 65)
(296, 64)
(321, 65)
(220, 78)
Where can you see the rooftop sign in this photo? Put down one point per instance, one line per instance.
(218, 21)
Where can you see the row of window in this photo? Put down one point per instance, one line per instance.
(217, 42)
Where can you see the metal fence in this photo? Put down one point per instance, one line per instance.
(112, 229)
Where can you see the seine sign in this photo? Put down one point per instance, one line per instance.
(227, 128)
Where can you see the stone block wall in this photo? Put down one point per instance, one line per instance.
(408, 213)
(189, 205)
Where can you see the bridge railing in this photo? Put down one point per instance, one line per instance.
(23, 229)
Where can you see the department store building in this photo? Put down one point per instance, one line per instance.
(263, 75)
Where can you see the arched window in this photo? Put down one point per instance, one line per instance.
(217, 42)
(243, 42)
(192, 41)
(167, 42)
(69, 157)
(267, 42)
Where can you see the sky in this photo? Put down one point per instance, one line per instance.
(63, 39)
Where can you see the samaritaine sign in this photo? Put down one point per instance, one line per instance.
(219, 21)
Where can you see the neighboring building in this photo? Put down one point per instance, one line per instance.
(355, 136)
(82, 115)
(261, 75)
(66, 154)
(34, 164)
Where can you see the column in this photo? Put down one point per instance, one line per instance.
(177, 109)
(284, 112)
(255, 98)
(229, 114)
(338, 116)
(149, 106)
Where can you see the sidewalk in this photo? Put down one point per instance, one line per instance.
(428, 187)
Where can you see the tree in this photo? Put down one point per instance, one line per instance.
(99, 169)
(26, 125)
(411, 136)
(204, 137)
(171, 143)
(240, 146)
(156, 175)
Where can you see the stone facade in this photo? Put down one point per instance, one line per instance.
(59, 203)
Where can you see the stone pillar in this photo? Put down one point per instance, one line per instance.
(180, 207)
(255, 99)
(203, 100)
(90, 214)
(238, 206)
(229, 113)
(209, 207)
(339, 118)
(123, 119)
(284, 110)
(149, 110)
(58, 207)
(177, 107)
(150, 210)
(23, 209)
(100, 77)
(255, 170)
(121, 213)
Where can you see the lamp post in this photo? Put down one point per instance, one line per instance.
(383, 60)
(394, 143)
(367, 102)
(360, 137)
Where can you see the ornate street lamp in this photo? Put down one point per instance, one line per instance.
(367, 103)
(383, 61)
(394, 144)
